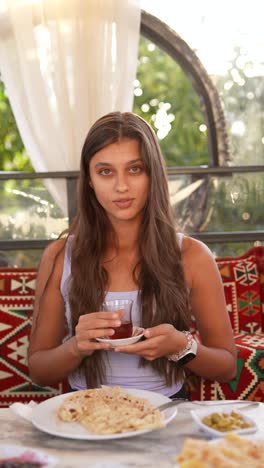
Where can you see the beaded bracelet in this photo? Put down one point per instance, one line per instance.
(176, 356)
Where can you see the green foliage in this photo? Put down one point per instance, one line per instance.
(168, 102)
(13, 156)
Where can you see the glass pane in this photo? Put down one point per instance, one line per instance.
(28, 210)
(231, 249)
(20, 258)
(31, 258)
(218, 204)
(242, 91)
(165, 97)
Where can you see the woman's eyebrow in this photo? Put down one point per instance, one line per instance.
(102, 164)
(133, 161)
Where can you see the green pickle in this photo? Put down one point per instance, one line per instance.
(225, 422)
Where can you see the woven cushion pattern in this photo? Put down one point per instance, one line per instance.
(242, 292)
(17, 289)
(249, 381)
(243, 281)
(259, 253)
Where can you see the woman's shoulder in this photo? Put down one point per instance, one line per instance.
(194, 247)
(54, 249)
(53, 257)
(198, 260)
(195, 253)
(51, 265)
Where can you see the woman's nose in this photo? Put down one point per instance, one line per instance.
(121, 183)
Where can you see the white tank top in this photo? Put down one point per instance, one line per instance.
(121, 369)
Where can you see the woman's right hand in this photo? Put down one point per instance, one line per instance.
(95, 325)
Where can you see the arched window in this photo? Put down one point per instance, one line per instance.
(213, 200)
(200, 87)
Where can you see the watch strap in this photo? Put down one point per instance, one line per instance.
(186, 354)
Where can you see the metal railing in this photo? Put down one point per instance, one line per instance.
(71, 178)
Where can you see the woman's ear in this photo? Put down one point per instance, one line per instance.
(91, 185)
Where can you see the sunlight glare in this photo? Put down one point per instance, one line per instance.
(215, 30)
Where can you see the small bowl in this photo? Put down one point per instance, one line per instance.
(198, 415)
(138, 333)
(26, 456)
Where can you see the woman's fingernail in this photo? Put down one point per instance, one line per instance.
(146, 333)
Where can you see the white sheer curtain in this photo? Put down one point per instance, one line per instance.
(65, 63)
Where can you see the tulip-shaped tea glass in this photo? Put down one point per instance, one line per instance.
(126, 328)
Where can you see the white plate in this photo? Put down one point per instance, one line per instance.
(200, 413)
(138, 332)
(44, 417)
(27, 454)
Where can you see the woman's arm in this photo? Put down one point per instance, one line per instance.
(49, 359)
(216, 357)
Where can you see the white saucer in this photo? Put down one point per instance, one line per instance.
(138, 332)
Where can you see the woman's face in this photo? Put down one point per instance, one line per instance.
(119, 180)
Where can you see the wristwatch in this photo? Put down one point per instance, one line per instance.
(188, 353)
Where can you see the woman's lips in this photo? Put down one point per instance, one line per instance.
(126, 203)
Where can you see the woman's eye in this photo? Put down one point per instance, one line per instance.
(105, 172)
(135, 169)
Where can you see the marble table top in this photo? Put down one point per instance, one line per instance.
(156, 448)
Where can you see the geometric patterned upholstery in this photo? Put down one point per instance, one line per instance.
(243, 281)
(259, 253)
(17, 291)
(249, 381)
(242, 292)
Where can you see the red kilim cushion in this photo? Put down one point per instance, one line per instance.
(249, 381)
(240, 278)
(243, 280)
(17, 289)
(259, 252)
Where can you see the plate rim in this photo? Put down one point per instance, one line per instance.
(171, 414)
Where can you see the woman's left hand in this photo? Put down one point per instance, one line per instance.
(161, 340)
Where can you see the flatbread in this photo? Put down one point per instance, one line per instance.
(110, 410)
(232, 451)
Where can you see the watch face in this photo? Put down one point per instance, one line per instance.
(187, 358)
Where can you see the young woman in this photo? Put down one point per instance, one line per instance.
(123, 244)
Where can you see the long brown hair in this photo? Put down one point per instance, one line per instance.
(159, 273)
